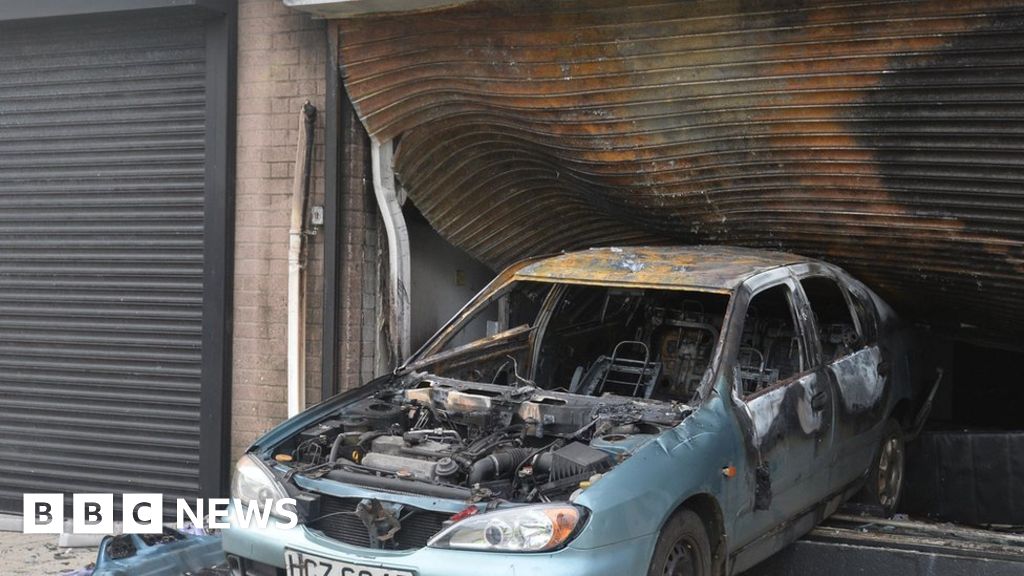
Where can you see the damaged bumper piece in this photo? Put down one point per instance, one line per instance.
(172, 553)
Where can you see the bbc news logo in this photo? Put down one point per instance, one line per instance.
(144, 513)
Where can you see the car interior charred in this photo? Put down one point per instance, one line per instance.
(528, 397)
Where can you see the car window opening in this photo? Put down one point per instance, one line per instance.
(770, 349)
(590, 340)
(837, 331)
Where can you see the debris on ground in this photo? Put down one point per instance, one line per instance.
(188, 552)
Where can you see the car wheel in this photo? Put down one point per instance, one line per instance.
(885, 481)
(683, 548)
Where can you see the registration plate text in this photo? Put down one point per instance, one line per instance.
(302, 564)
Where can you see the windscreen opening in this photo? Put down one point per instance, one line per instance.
(590, 340)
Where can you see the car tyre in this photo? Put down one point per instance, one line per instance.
(683, 548)
(885, 480)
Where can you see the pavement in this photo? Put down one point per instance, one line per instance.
(39, 555)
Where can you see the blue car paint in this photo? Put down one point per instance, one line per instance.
(638, 495)
(342, 490)
(192, 553)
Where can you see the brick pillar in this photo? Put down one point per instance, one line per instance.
(281, 60)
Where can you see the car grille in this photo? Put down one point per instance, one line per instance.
(338, 520)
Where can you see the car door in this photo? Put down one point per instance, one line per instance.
(853, 363)
(784, 402)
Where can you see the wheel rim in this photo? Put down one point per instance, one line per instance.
(890, 472)
(681, 561)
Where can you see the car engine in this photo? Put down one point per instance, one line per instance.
(481, 440)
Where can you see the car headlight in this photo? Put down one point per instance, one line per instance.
(253, 481)
(536, 528)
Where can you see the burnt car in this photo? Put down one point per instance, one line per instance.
(668, 411)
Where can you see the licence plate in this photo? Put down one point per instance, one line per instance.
(302, 564)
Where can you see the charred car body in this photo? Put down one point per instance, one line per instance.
(611, 411)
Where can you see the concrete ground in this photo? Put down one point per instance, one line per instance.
(39, 555)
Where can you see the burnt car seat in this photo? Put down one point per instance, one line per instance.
(629, 371)
(754, 374)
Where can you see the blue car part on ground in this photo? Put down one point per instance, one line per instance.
(171, 553)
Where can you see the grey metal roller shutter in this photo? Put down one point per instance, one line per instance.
(101, 254)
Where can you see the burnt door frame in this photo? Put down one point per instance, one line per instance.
(777, 425)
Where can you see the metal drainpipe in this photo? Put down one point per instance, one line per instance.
(297, 263)
(389, 200)
(337, 124)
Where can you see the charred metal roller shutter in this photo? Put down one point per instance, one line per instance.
(883, 135)
(102, 126)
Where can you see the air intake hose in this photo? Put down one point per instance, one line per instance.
(497, 464)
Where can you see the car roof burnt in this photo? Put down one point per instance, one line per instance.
(705, 268)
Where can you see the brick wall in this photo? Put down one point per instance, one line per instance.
(361, 260)
(281, 63)
(281, 60)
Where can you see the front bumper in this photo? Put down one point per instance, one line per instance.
(267, 546)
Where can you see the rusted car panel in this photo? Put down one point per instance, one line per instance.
(881, 136)
(749, 392)
(712, 268)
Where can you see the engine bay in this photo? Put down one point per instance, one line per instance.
(481, 441)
